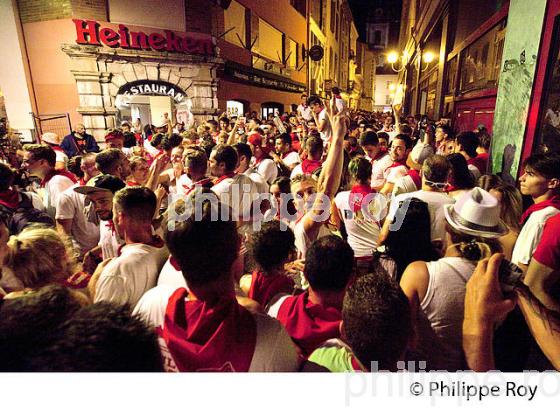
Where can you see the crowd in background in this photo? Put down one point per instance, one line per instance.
(383, 240)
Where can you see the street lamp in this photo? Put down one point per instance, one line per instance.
(393, 57)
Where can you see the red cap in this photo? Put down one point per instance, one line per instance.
(255, 139)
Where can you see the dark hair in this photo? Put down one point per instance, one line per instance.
(405, 129)
(196, 158)
(243, 150)
(360, 169)
(283, 183)
(369, 138)
(376, 320)
(136, 202)
(207, 145)
(7, 175)
(383, 134)
(461, 177)
(488, 182)
(227, 155)
(41, 151)
(224, 119)
(314, 146)
(436, 169)
(472, 247)
(196, 242)
(485, 140)
(446, 129)
(157, 139)
(415, 224)
(314, 99)
(469, 142)
(74, 165)
(174, 141)
(108, 160)
(271, 245)
(285, 137)
(406, 138)
(548, 165)
(213, 122)
(328, 264)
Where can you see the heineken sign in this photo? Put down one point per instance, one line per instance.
(90, 32)
(147, 87)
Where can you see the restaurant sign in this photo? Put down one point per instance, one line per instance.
(90, 32)
(147, 87)
(239, 73)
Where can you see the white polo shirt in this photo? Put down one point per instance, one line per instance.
(126, 278)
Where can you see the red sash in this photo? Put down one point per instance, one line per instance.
(265, 287)
(78, 280)
(415, 175)
(110, 224)
(225, 176)
(357, 196)
(206, 182)
(554, 202)
(132, 183)
(397, 164)
(205, 336)
(310, 165)
(54, 172)
(308, 324)
(56, 148)
(9, 198)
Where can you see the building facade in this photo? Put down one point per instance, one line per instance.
(100, 62)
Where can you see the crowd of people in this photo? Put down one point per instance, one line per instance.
(323, 240)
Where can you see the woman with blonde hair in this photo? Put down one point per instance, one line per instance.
(511, 206)
(38, 257)
(436, 290)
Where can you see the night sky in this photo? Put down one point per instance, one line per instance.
(361, 8)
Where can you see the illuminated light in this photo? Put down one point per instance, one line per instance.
(392, 95)
(392, 57)
(428, 57)
(392, 87)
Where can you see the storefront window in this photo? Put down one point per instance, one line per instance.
(451, 76)
(428, 94)
(481, 64)
(271, 110)
(234, 21)
(548, 135)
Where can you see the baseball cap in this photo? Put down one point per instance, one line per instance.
(101, 183)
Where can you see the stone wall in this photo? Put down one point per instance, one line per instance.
(31, 11)
(100, 72)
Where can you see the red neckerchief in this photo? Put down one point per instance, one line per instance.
(56, 148)
(357, 196)
(206, 182)
(380, 154)
(10, 198)
(82, 181)
(225, 176)
(479, 163)
(286, 154)
(78, 280)
(109, 224)
(310, 165)
(554, 202)
(397, 164)
(132, 183)
(415, 175)
(218, 335)
(308, 324)
(265, 287)
(54, 172)
(155, 241)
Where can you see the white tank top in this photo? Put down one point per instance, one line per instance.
(440, 322)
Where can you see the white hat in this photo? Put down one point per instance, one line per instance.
(50, 138)
(476, 213)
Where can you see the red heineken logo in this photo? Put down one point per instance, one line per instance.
(90, 32)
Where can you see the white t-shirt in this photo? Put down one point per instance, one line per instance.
(530, 235)
(378, 169)
(394, 173)
(291, 159)
(126, 278)
(61, 157)
(52, 191)
(267, 168)
(363, 232)
(305, 112)
(169, 276)
(85, 234)
(109, 240)
(435, 201)
(258, 179)
(274, 349)
(238, 192)
(296, 171)
(326, 134)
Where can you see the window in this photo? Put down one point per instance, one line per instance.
(333, 17)
(171, 17)
(299, 5)
(480, 68)
(234, 20)
(291, 53)
(451, 76)
(270, 41)
(271, 108)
